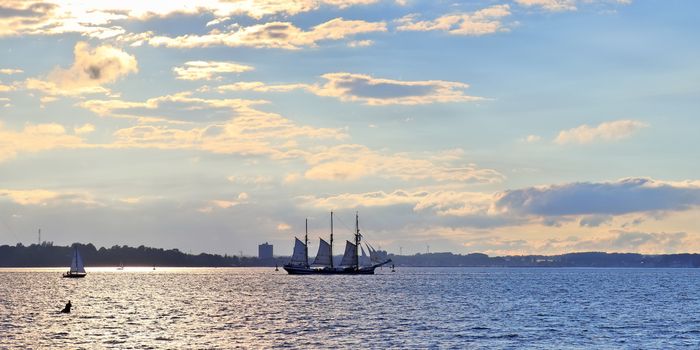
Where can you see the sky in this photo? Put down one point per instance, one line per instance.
(494, 126)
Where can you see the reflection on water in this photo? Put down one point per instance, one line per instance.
(412, 308)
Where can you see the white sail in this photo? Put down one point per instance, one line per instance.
(375, 256)
(323, 257)
(349, 256)
(364, 259)
(299, 255)
(76, 265)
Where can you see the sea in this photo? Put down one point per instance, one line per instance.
(412, 308)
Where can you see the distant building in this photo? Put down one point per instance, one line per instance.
(265, 251)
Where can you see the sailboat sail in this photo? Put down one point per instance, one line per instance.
(76, 265)
(299, 255)
(373, 256)
(364, 259)
(323, 257)
(349, 256)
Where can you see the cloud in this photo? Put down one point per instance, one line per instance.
(631, 195)
(595, 220)
(258, 86)
(250, 180)
(532, 138)
(92, 68)
(23, 16)
(440, 202)
(42, 197)
(369, 90)
(208, 70)
(36, 138)
(361, 43)
(279, 35)
(350, 162)
(9, 71)
(167, 108)
(5, 88)
(633, 242)
(566, 5)
(550, 5)
(608, 131)
(481, 22)
(103, 19)
(84, 129)
(250, 132)
(376, 91)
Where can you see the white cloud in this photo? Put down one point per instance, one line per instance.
(481, 22)
(532, 138)
(566, 5)
(208, 70)
(550, 5)
(608, 131)
(84, 129)
(280, 35)
(361, 43)
(9, 71)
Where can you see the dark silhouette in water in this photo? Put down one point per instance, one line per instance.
(66, 310)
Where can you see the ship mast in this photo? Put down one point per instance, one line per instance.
(306, 243)
(357, 241)
(331, 239)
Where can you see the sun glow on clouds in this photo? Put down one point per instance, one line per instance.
(99, 18)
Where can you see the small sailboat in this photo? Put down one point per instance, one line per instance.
(77, 269)
(121, 266)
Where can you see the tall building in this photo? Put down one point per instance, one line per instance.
(265, 251)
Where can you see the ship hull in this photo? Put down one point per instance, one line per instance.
(302, 270)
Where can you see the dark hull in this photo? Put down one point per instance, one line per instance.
(74, 275)
(302, 270)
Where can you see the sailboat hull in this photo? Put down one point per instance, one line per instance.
(74, 275)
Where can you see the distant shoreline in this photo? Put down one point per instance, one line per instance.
(47, 255)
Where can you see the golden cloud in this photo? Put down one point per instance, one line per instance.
(208, 70)
(281, 35)
(92, 68)
(36, 138)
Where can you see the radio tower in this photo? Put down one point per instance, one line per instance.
(39, 242)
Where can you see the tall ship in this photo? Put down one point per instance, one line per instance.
(352, 263)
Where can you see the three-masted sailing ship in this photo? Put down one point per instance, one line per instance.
(351, 264)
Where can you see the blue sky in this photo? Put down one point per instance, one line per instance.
(504, 127)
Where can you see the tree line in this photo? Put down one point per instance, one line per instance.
(48, 255)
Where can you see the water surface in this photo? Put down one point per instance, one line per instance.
(413, 308)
